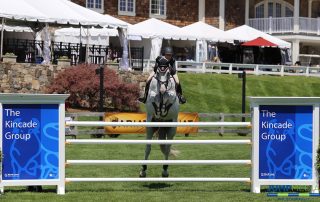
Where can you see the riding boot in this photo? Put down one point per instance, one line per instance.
(182, 99)
(146, 90)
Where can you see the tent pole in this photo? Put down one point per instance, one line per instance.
(130, 64)
(2, 29)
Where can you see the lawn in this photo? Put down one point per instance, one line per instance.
(205, 93)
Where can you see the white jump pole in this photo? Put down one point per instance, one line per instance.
(181, 179)
(157, 162)
(159, 124)
(90, 141)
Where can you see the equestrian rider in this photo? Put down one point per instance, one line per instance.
(165, 61)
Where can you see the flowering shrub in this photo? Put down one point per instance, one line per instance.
(82, 83)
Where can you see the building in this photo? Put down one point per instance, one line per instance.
(296, 21)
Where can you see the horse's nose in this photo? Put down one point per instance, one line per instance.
(163, 88)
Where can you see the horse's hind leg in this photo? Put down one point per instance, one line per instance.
(143, 170)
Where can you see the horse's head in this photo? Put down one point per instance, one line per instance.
(163, 78)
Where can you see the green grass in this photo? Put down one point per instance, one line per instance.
(222, 93)
(205, 93)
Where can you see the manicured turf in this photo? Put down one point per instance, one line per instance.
(205, 93)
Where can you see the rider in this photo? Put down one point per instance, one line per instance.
(168, 61)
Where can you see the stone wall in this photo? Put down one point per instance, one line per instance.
(25, 77)
(33, 78)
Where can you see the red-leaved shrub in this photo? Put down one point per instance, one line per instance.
(82, 83)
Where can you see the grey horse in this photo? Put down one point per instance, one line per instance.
(162, 105)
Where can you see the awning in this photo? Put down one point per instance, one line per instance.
(259, 42)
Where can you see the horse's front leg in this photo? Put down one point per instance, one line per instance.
(149, 136)
(170, 133)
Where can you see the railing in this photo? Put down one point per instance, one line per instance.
(74, 131)
(153, 162)
(256, 69)
(286, 25)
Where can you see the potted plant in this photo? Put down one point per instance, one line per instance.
(9, 57)
(64, 61)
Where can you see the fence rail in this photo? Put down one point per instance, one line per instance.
(157, 162)
(254, 69)
(221, 130)
(177, 179)
(98, 141)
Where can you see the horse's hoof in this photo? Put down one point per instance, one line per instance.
(143, 173)
(165, 173)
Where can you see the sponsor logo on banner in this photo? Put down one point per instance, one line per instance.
(30, 141)
(285, 142)
(141, 117)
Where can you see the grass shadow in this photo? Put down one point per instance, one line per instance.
(157, 185)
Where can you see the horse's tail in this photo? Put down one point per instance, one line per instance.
(174, 152)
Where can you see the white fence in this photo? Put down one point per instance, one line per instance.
(154, 162)
(255, 69)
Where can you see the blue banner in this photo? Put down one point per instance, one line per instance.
(285, 142)
(30, 141)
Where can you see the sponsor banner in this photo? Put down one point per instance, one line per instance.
(141, 117)
(30, 141)
(285, 142)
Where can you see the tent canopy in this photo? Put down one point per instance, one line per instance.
(153, 28)
(16, 28)
(246, 33)
(259, 42)
(57, 11)
(203, 31)
(95, 36)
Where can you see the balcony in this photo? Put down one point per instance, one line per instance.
(285, 25)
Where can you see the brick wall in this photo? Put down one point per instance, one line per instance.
(212, 12)
(179, 12)
(234, 13)
(185, 12)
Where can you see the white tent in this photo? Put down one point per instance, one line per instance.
(57, 11)
(203, 31)
(15, 28)
(154, 28)
(96, 36)
(246, 33)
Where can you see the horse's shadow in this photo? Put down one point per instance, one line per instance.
(157, 185)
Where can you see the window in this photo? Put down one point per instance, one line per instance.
(96, 5)
(260, 11)
(273, 8)
(158, 8)
(289, 12)
(127, 7)
(278, 10)
(270, 9)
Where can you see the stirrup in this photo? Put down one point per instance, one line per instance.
(182, 99)
(142, 100)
